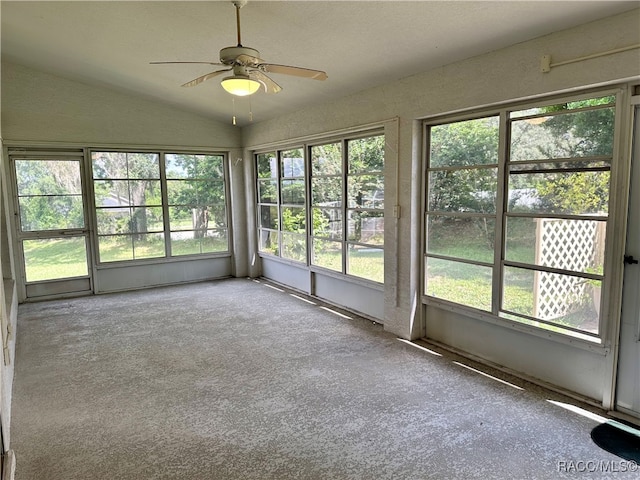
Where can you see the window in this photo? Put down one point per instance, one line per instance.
(282, 204)
(196, 200)
(347, 206)
(344, 208)
(365, 208)
(128, 201)
(552, 202)
(150, 205)
(326, 205)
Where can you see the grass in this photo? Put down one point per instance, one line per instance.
(49, 259)
(454, 281)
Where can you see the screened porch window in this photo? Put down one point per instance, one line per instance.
(542, 264)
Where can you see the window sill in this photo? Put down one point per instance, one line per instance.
(154, 261)
(593, 346)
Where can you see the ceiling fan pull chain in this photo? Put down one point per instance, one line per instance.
(233, 101)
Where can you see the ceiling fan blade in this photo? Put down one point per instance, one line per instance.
(296, 71)
(205, 63)
(269, 85)
(207, 76)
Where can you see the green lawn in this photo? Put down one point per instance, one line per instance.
(49, 259)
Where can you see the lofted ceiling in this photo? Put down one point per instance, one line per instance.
(360, 44)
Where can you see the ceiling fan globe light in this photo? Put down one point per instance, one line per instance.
(240, 85)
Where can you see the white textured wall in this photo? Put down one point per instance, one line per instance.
(40, 107)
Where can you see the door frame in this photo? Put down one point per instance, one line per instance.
(634, 172)
(56, 288)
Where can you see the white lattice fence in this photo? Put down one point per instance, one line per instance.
(565, 244)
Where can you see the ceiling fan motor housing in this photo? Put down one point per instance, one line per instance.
(229, 55)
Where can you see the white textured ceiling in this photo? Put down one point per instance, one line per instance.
(360, 44)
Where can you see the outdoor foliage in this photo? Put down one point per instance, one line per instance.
(547, 145)
(50, 194)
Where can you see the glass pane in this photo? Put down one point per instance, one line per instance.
(560, 165)
(147, 219)
(269, 217)
(51, 213)
(148, 245)
(113, 220)
(48, 177)
(267, 165)
(580, 134)
(111, 193)
(470, 238)
(326, 191)
(267, 191)
(366, 154)
(113, 248)
(193, 166)
(269, 241)
(109, 165)
(145, 192)
(49, 259)
(327, 254)
(294, 246)
(463, 190)
(123, 165)
(180, 166)
(178, 191)
(591, 102)
(327, 222)
(575, 193)
(217, 215)
(186, 243)
(215, 241)
(210, 166)
(471, 142)
(143, 165)
(365, 191)
(292, 192)
(205, 193)
(366, 262)
(292, 163)
(576, 245)
(562, 299)
(181, 218)
(459, 282)
(366, 227)
(294, 220)
(197, 242)
(326, 159)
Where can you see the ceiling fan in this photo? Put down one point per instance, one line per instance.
(249, 70)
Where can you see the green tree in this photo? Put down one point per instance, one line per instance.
(197, 190)
(130, 179)
(579, 131)
(50, 194)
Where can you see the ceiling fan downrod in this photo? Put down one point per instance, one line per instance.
(239, 4)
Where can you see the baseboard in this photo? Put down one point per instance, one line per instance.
(625, 416)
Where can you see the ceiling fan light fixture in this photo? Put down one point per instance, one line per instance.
(240, 85)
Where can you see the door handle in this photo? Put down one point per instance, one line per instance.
(630, 260)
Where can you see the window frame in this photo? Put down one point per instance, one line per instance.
(498, 315)
(167, 257)
(345, 243)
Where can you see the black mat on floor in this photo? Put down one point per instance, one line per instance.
(618, 438)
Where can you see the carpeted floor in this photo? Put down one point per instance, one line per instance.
(234, 380)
